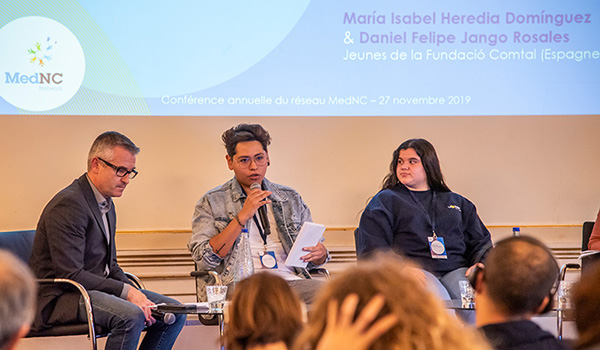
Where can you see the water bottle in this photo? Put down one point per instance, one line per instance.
(244, 267)
(516, 231)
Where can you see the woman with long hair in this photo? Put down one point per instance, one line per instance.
(410, 316)
(264, 314)
(416, 215)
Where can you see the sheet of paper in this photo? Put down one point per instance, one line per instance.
(586, 253)
(309, 236)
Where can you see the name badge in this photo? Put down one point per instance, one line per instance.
(268, 260)
(437, 248)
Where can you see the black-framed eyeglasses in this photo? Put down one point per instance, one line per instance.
(259, 159)
(121, 171)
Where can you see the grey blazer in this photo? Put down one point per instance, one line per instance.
(70, 243)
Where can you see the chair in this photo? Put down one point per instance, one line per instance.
(20, 243)
(562, 314)
(207, 320)
(587, 232)
(588, 257)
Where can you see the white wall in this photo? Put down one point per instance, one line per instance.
(517, 170)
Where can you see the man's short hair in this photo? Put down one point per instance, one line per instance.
(18, 291)
(245, 133)
(105, 143)
(519, 273)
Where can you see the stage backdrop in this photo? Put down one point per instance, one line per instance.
(300, 58)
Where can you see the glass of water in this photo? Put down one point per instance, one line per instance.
(216, 297)
(467, 294)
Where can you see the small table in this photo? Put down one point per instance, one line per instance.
(457, 304)
(202, 308)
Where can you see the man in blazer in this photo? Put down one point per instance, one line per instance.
(75, 239)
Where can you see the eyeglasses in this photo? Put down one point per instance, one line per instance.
(259, 159)
(121, 171)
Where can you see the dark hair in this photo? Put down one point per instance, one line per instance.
(519, 273)
(586, 300)
(430, 162)
(264, 310)
(245, 133)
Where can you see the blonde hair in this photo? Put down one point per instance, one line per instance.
(264, 310)
(423, 322)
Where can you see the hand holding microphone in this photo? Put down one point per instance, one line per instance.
(262, 212)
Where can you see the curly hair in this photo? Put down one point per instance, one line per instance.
(245, 133)
(264, 310)
(423, 322)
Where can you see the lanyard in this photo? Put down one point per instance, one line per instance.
(432, 217)
(260, 230)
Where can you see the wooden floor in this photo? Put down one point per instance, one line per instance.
(194, 336)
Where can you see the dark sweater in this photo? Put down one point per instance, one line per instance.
(395, 219)
(520, 335)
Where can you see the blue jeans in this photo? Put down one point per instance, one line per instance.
(126, 322)
(446, 287)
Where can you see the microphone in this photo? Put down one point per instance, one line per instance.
(167, 317)
(262, 213)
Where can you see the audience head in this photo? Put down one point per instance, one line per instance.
(18, 292)
(245, 133)
(264, 310)
(423, 322)
(519, 277)
(429, 161)
(586, 300)
(103, 146)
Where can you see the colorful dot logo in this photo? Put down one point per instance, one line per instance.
(42, 65)
(42, 54)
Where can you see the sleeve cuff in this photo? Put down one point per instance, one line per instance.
(125, 291)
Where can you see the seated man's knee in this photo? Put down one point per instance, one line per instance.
(133, 319)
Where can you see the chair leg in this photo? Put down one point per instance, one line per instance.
(221, 331)
(559, 323)
(88, 308)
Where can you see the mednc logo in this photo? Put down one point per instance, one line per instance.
(43, 75)
(40, 55)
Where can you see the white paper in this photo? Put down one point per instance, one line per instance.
(588, 253)
(310, 234)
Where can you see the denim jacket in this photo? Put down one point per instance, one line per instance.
(219, 206)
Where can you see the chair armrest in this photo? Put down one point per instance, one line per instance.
(565, 267)
(213, 273)
(86, 301)
(135, 279)
(320, 271)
